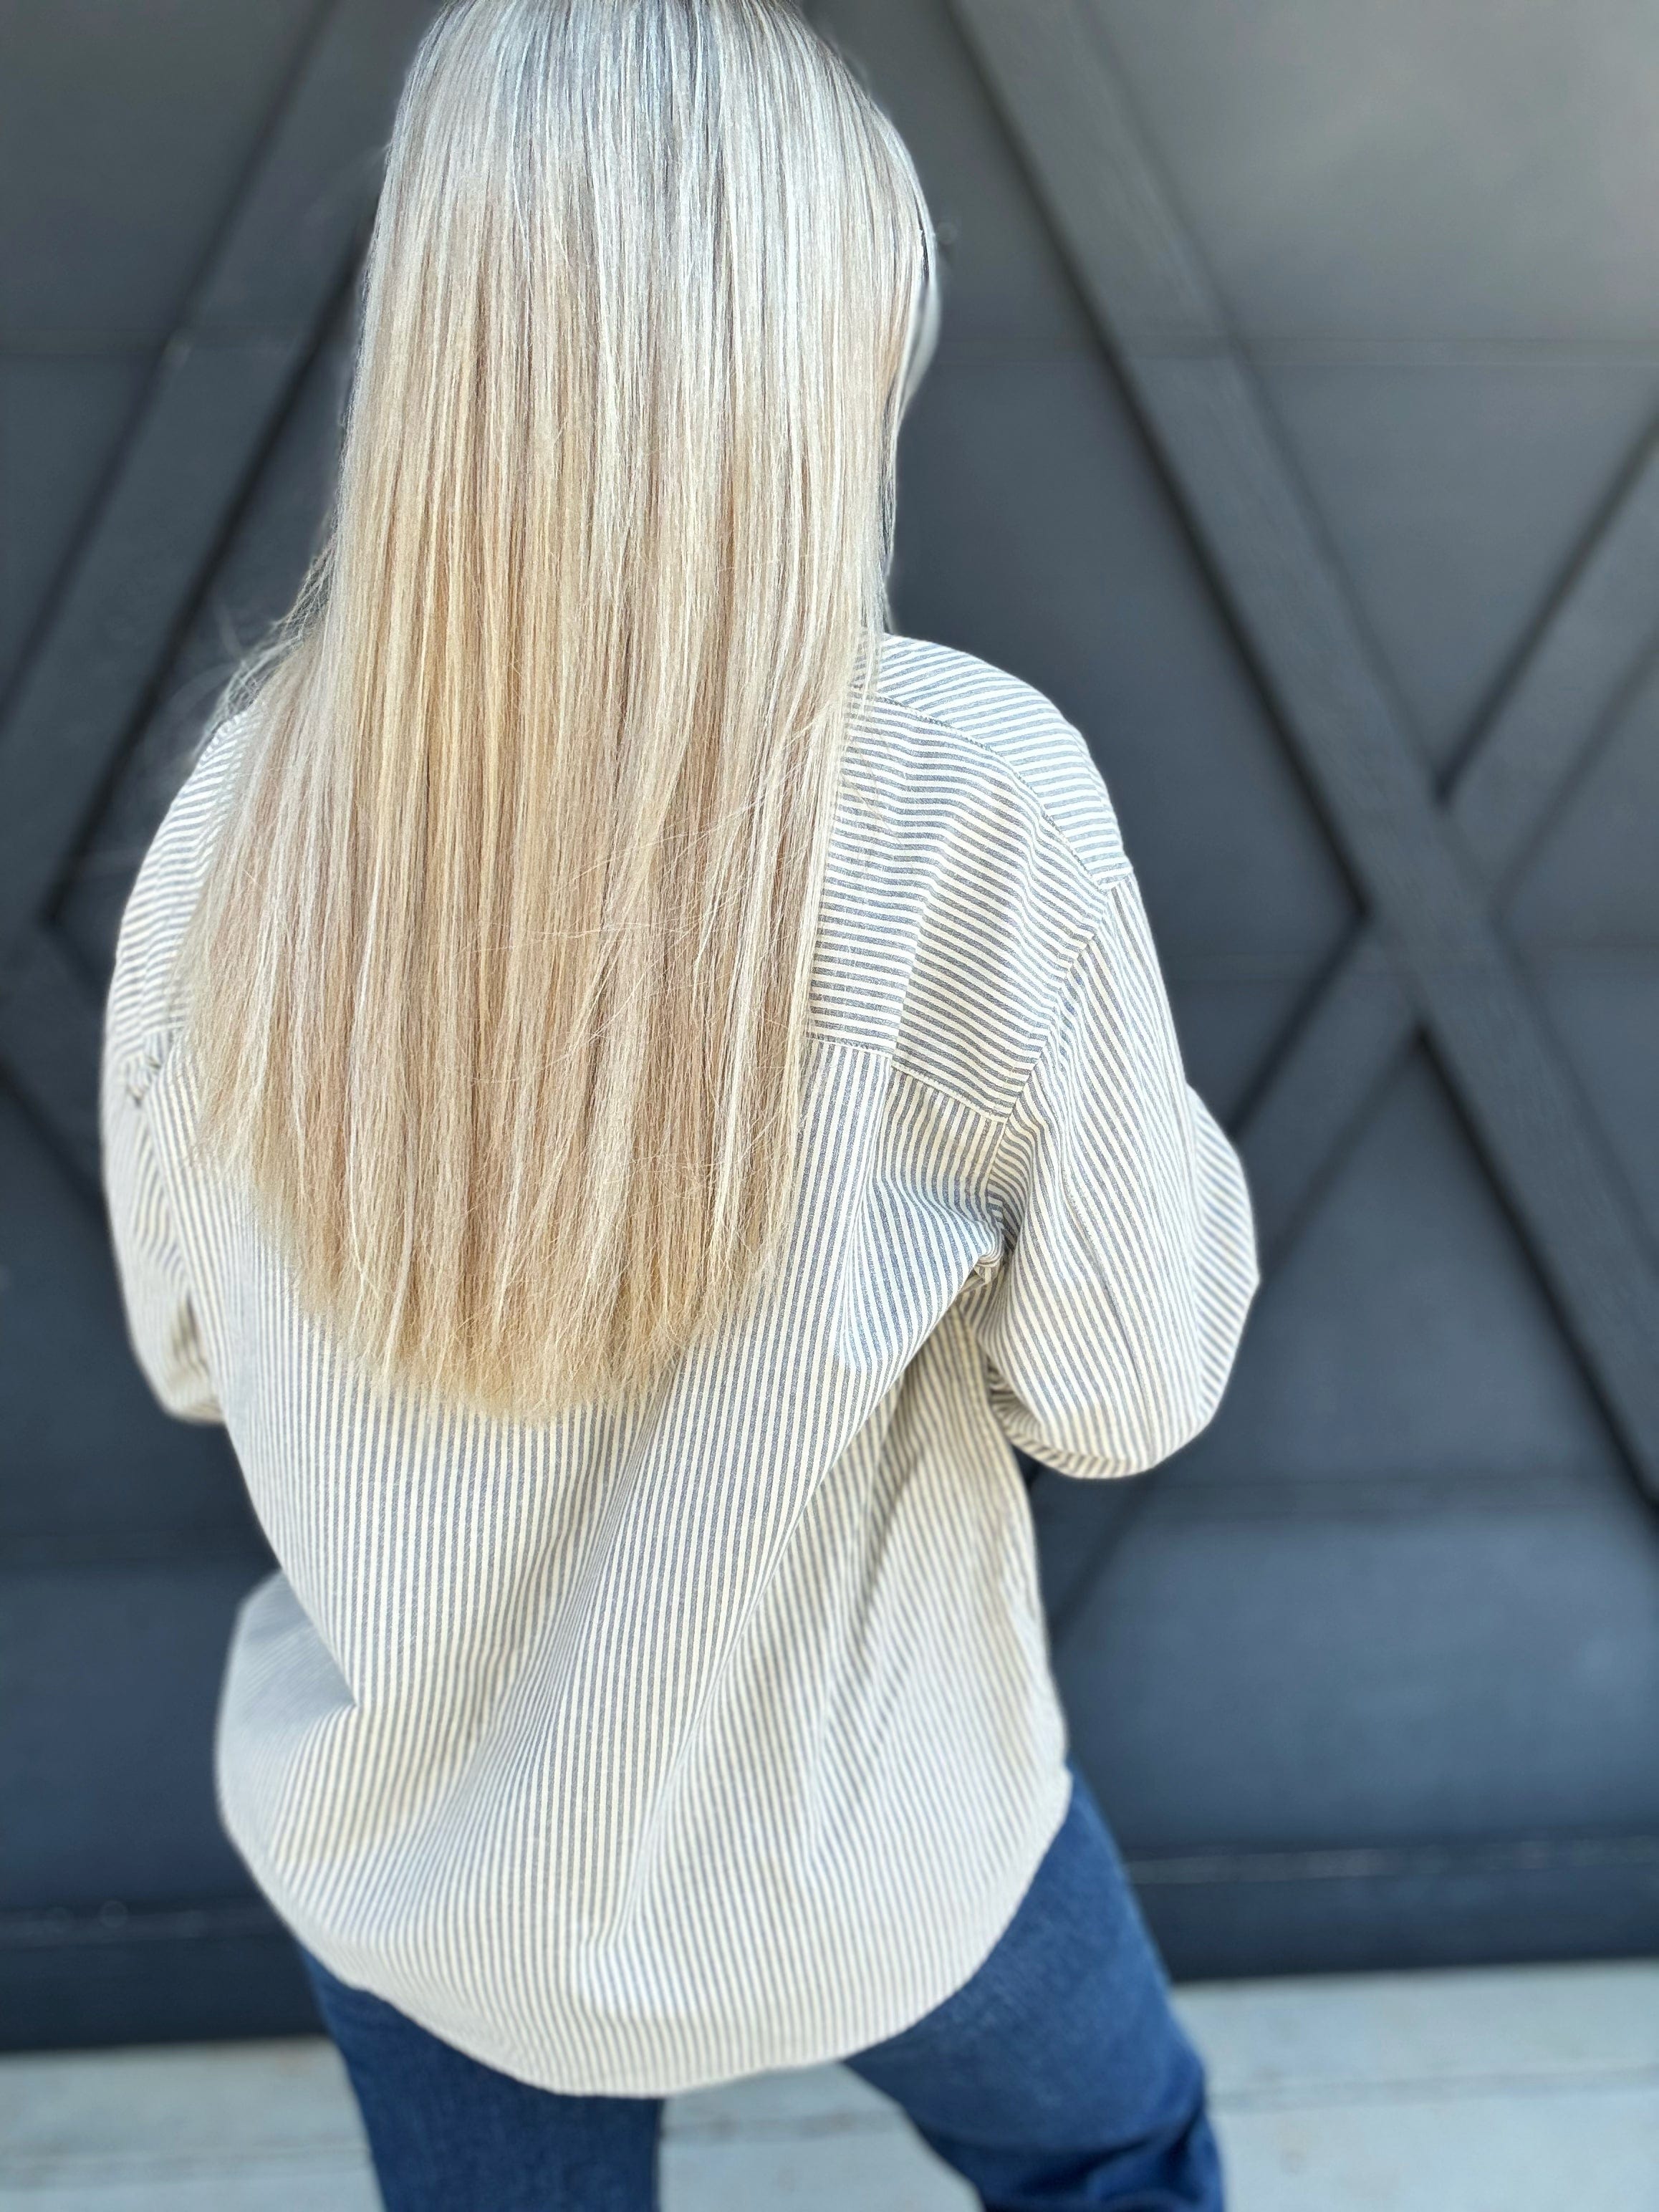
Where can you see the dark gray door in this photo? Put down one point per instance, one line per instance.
(1290, 428)
(187, 186)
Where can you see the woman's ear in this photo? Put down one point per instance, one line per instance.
(924, 319)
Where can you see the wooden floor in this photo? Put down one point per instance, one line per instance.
(1521, 2090)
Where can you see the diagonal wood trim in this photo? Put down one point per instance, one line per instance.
(1047, 63)
(1597, 640)
(1320, 1088)
(218, 390)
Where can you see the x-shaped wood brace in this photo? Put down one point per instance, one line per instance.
(219, 393)
(1433, 954)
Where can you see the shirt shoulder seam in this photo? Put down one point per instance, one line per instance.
(883, 1052)
(1120, 868)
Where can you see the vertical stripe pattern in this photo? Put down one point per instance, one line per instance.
(635, 1752)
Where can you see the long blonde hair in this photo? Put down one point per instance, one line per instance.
(498, 988)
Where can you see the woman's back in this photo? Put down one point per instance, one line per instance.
(586, 1742)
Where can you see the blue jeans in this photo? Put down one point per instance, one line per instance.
(1055, 2078)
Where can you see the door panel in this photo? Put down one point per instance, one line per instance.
(1368, 1675)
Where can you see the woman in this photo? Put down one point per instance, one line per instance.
(628, 1090)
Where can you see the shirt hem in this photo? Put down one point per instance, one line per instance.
(692, 2073)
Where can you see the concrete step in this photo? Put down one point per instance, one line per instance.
(1511, 2090)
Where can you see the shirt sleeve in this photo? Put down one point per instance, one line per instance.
(1109, 1326)
(161, 1321)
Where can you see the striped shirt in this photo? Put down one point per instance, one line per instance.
(630, 1754)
